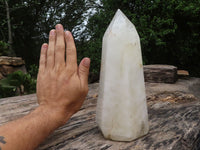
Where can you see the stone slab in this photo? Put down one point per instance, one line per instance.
(11, 64)
(5, 69)
(173, 118)
(160, 73)
(184, 74)
(13, 61)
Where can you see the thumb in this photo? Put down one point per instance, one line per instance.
(84, 68)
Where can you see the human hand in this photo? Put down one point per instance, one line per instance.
(62, 85)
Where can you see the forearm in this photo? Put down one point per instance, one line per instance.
(28, 132)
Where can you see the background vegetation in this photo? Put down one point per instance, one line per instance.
(169, 30)
(17, 83)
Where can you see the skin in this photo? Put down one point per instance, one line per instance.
(62, 86)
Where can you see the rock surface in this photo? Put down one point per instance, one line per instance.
(184, 74)
(174, 111)
(11, 64)
(11, 61)
(160, 73)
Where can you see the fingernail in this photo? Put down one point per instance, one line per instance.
(67, 33)
(59, 27)
(52, 32)
(44, 46)
(86, 62)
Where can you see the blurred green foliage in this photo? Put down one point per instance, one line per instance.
(31, 21)
(169, 31)
(17, 83)
(33, 71)
(3, 48)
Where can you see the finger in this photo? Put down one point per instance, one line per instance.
(84, 68)
(60, 46)
(71, 57)
(51, 47)
(43, 56)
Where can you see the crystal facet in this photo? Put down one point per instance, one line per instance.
(121, 107)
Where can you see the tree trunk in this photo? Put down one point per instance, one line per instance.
(10, 40)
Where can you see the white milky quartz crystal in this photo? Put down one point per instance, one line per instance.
(121, 107)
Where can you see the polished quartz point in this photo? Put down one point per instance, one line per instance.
(121, 107)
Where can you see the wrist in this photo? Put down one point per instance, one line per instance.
(56, 116)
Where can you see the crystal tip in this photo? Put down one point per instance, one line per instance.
(118, 10)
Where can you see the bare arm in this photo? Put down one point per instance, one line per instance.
(61, 89)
